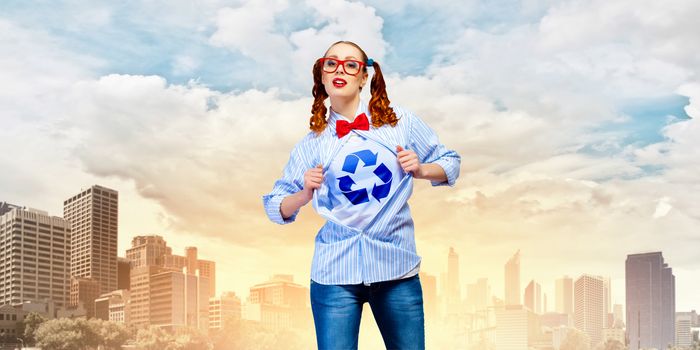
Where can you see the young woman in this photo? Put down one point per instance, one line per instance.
(356, 166)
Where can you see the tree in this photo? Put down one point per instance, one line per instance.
(613, 345)
(152, 338)
(575, 340)
(112, 335)
(29, 326)
(60, 334)
(245, 334)
(189, 339)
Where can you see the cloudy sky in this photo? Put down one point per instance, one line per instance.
(577, 123)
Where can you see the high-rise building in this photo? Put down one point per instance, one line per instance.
(34, 256)
(223, 308)
(564, 288)
(478, 295)
(430, 299)
(113, 306)
(618, 315)
(533, 297)
(453, 292)
(589, 307)
(123, 271)
(512, 285)
(6, 207)
(93, 214)
(544, 303)
(168, 290)
(650, 301)
(84, 292)
(608, 303)
(684, 322)
(516, 328)
(140, 307)
(179, 299)
(278, 303)
(190, 262)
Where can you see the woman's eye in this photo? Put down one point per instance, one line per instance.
(352, 65)
(331, 63)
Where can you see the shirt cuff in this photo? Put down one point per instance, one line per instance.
(449, 168)
(272, 205)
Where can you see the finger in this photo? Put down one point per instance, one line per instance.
(315, 178)
(399, 148)
(408, 156)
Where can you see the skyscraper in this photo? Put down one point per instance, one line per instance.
(589, 307)
(123, 271)
(533, 297)
(512, 285)
(93, 214)
(651, 301)
(34, 258)
(516, 328)
(564, 295)
(478, 295)
(453, 293)
(224, 308)
(168, 290)
(146, 256)
(684, 321)
(430, 298)
(278, 303)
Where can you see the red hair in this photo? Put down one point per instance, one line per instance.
(378, 104)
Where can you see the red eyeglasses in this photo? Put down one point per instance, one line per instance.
(351, 67)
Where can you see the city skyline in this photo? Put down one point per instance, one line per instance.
(452, 260)
(171, 280)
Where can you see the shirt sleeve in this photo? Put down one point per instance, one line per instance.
(292, 181)
(424, 141)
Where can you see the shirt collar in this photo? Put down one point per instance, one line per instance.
(362, 107)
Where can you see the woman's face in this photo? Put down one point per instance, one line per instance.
(340, 83)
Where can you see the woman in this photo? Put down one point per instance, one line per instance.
(360, 178)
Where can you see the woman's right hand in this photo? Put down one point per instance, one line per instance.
(313, 178)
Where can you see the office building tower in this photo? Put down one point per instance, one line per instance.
(34, 257)
(430, 298)
(224, 308)
(168, 290)
(478, 295)
(93, 214)
(533, 297)
(453, 292)
(650, 301)
(278, 303)
(123, 273)
(589, 307)
(83, 292)
(512, 285)
(516, 328)
(564, 289)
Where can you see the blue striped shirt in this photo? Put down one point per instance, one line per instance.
(385, 249)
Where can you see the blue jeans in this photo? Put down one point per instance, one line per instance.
(397, 307)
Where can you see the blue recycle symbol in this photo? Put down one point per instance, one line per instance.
(360, 195)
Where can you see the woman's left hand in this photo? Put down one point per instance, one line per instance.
(408, 159)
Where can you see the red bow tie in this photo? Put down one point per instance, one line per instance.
(343, 127)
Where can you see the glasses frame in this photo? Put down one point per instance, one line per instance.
(323, 60)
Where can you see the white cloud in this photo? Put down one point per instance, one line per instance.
(252, 30)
